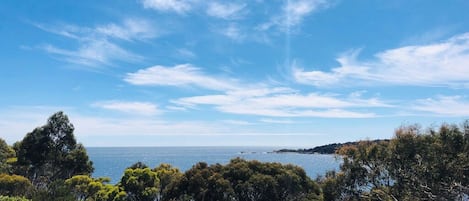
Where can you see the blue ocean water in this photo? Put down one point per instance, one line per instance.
(112, 161)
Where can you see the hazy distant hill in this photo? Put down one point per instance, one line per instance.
(324, 149)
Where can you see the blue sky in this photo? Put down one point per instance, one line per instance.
(295, 73)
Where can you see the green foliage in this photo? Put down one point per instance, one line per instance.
(54, 191)
(84, 188)
(14, 185)
(6, 154)
(140, 184)
(50, 152)
(167, 175)
(110, 192)
(8, 198)
(245, 180)
(414, 165)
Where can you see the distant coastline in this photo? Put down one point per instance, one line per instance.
(324, 149)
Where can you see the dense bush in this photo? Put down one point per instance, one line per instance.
(416, 164)
(8, 198)
(433, 164)
(244, 180)
(14, 185)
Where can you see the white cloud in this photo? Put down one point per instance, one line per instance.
(237, 122)
(437, 64)
(444, 106)
(206, 100)
(130, 29)
(86, 125)
(282, 103)
(185, 53)
(277, 121)
(95, 53)
(297, 10)
(179, 75)
(293, 13)
(97, 46)
(138, 108)
(178, 6)
(225, 10)
(15, 122)
(287, 112)
(233, 32)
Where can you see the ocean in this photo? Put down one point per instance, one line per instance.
(112, 161)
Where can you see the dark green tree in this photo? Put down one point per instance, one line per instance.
(415, 164)
(242, 180)
(50, 152)
(6, 153)
(167, 175)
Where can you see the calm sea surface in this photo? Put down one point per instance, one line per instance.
(111, 162)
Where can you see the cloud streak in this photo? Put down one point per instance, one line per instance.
(94, 53)
(180, 75)
(178, 6)
(444, 106)
(227, 11)
(293, 14)
(99, 46)
(437, 64)
(135, 108)
(285, 104)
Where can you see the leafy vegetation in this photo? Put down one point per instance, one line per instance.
(8, 198)
(324, 149)
(416, 164)
(244, 180)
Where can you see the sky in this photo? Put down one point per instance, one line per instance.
(292, 73)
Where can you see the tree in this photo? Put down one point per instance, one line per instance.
(14, 185)
(6, 153)
(15, 198)
(201, 183)
(84, 188)
(140, 184)
(50, 152)
(167, 175)
(243, 180)
(413, 165)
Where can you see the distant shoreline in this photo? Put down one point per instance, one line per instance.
(324, 149)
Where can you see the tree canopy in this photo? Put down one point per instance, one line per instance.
(416, 164)
(50, 152)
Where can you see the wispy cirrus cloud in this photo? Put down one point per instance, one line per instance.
(296, 10)
(93, 53)
(283, 103)
(436, 64)
(237, 122)
(233, 31)
(252, 99)
(129, 29)
(136, 108)
(179, 75)
(178, 6)
(293, 13)
(444, 106)
(98, 46)
(227, 11)
(185, 53)
(276, 121)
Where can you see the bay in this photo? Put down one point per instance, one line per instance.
(112, 161)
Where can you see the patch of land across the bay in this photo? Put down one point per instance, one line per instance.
(324, 149)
